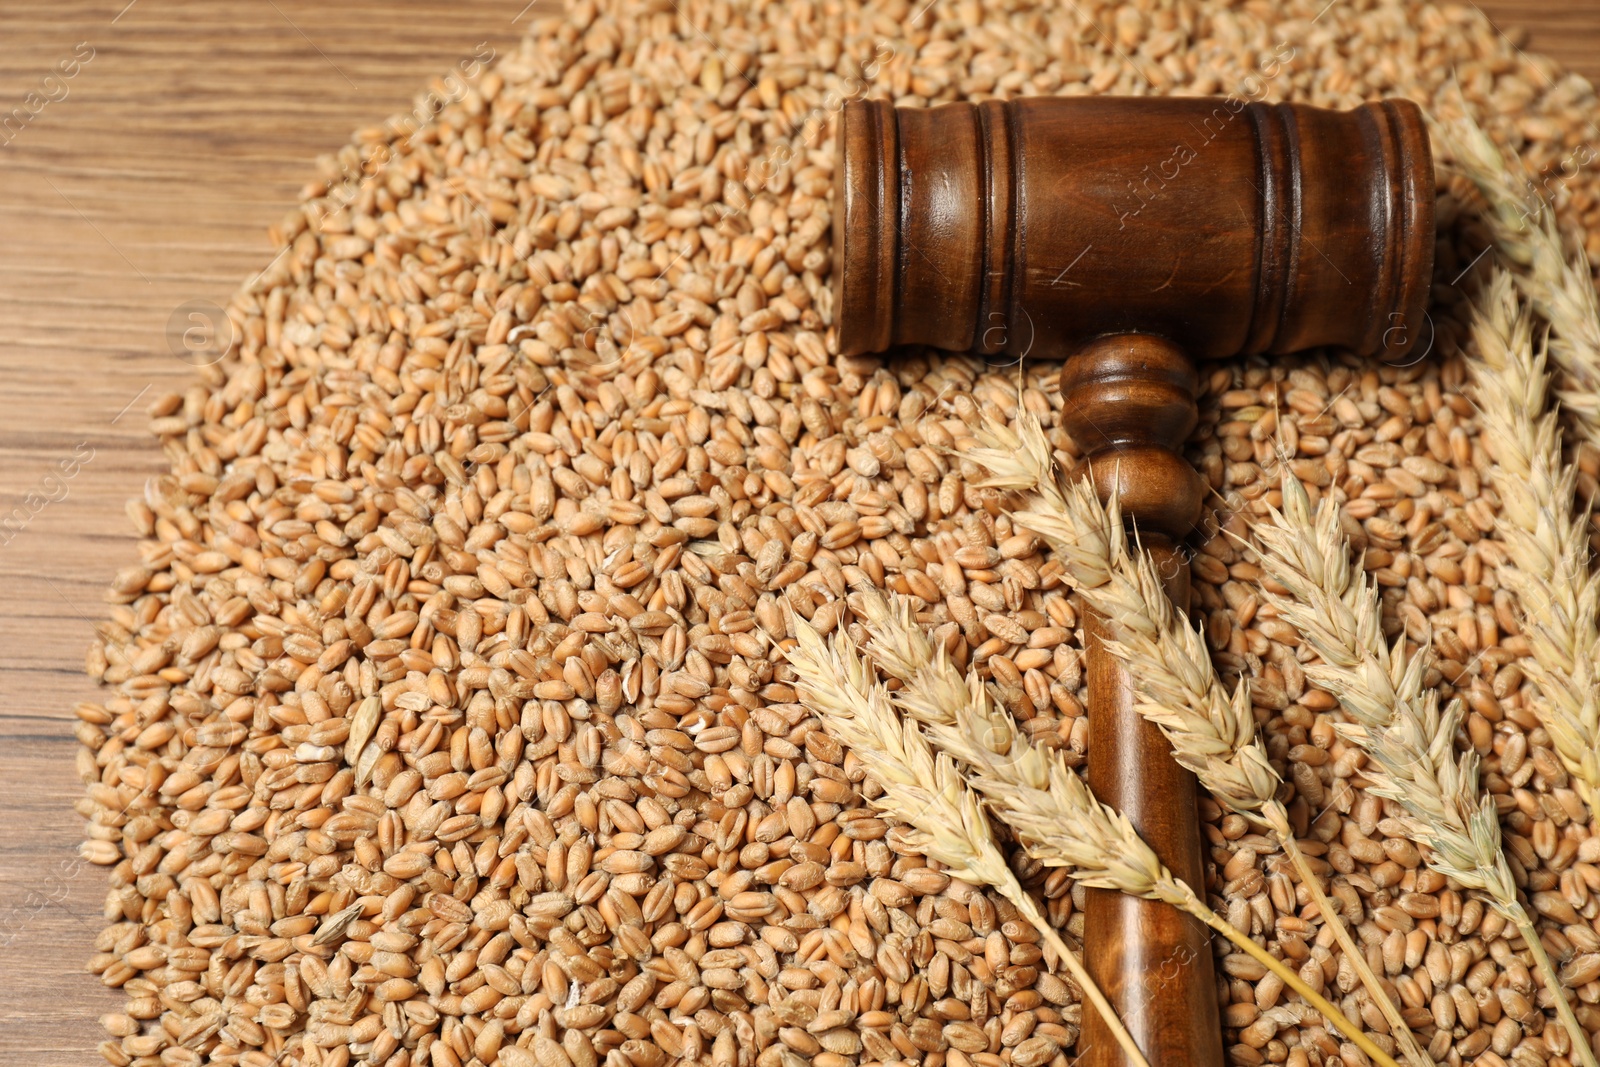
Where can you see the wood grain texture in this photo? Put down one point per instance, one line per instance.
(152, 184)
(1567, 31)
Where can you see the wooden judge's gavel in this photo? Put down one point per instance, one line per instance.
(1129, 237)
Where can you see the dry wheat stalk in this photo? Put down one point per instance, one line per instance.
(1409, 742)
(1555, 272)
(1031, 789)
(1211, 732)
(947, 822)
(1547, 540)
(1053, 812)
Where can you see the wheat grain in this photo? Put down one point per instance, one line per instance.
(1398, 725)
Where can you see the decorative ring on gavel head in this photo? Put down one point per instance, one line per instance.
(1032, 226)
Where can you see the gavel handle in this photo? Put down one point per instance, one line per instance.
(1152, 961)
(1129, 402)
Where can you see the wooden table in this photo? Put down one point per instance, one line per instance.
(148, 182)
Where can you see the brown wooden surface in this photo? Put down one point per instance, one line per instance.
(149, 185)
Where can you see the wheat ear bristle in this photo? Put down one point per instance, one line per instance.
(946, 820)
(1031, 788)
(1409, 743)
(1553, 270)
(1211, 732)
(1545, 537)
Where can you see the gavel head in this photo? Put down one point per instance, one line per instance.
(1224, 227)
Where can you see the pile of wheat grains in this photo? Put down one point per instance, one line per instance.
(444, 723)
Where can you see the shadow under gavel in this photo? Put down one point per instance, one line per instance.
(1130, 237)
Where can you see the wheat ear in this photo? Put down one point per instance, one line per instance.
(1554, 271)
(1211, 732)
(1409, 743)
(1546, 539)
(947, 823)
(1052, 811)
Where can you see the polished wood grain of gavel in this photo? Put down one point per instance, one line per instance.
(1130, 237)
